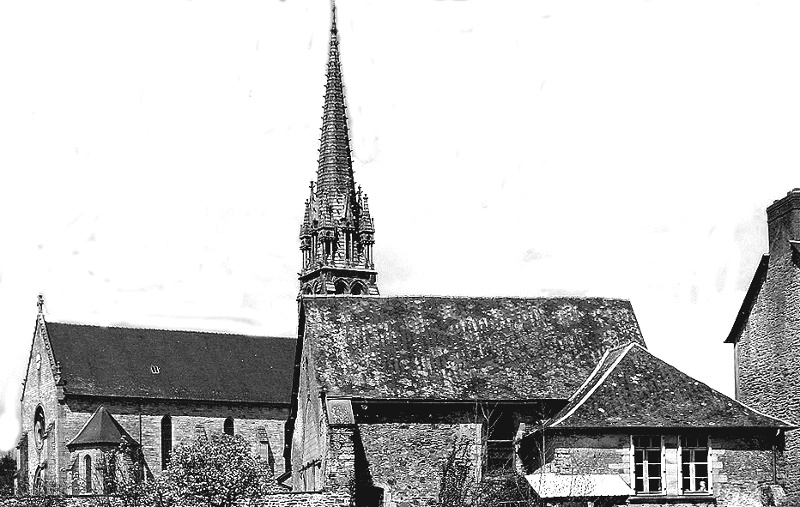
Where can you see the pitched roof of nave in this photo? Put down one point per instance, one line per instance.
(461, 348)
(632, 388)
(176, 365)
(102, 429)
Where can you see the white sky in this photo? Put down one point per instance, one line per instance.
(155, 156)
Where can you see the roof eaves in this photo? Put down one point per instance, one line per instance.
(749, 300)
(165, 398)
(597, 384)
(784, 424)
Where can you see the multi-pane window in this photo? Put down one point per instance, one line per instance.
(499, 442)
(694, 463)
(648, 464)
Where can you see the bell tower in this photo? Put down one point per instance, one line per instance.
(337, 233)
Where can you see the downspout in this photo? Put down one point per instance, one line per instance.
(775, 458)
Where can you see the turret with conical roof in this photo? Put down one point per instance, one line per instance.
(337, 233)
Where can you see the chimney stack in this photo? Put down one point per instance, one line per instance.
(783, 221)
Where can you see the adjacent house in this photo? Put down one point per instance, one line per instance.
(766, 332)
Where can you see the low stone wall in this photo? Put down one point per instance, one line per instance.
(304, 499)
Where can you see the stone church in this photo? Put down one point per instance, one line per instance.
(403, 401)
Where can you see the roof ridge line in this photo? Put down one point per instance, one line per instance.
(597, 385)
(591, 375)
(171, 330)
(442, 296)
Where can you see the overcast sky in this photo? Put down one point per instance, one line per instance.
(155, 157)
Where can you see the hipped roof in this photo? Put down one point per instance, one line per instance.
(102, 430)
(460, 348)
(180, 365)
(632, 388)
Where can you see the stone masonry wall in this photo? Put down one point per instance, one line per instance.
(262, 426)
(740, 465)
(308, 451)
(585, 454)
(768, 350)
(40, 391)
(405, 460)
(327, 499)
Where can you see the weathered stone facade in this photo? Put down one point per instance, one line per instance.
(742, 465)
(39, 451)
(766, 336)
(45, 459)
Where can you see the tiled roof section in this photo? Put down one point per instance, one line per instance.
(185, 365)
(749, 300)
(461, 348)
(102, 429)
(633, 388)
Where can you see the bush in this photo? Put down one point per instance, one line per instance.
(216, 472)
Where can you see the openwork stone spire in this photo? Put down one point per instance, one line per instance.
(337, 233)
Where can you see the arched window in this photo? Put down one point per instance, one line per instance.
(340, 287)
(87, 473)
(227, 426)
(357, 290)
(166, 440)
(38, 427)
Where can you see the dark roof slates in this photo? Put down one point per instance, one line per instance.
(102, 430)
(636, 389)
(117, 362)
(461, 348)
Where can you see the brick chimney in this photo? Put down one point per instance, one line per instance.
(783, 220)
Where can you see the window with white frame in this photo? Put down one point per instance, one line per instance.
(648, 460)
(694, 464)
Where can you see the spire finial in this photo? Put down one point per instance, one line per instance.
(333, 16)
(40, 303)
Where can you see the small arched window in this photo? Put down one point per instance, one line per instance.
(87, 473)
(166, 440)
(357, 290)
(227, 426)
(340, 287)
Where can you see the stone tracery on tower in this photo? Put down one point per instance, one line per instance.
(337, 233)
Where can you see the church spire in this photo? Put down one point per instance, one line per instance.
(335, 169)
(336, 235)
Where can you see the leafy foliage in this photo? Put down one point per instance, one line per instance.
(216, 472)
(8, 466)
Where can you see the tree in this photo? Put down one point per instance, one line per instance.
(216, 472)
(8, 467)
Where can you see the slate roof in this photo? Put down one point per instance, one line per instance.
(633, 388)
(749, 300)
(191, 365)
(101, 429)
(461, 348)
